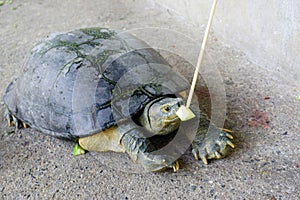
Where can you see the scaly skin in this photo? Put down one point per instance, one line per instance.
(139, 149)
(210, 145)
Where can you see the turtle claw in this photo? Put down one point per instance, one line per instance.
(8, 119)
(13, 121)
(24, 125)
(230, 143)
(218, 155)
(204, 160)
(195, 153)
(213, 146)
(176, 166)
(229, 136)
(199, 155)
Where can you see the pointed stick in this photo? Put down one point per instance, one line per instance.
(200, 58)
(184, 113)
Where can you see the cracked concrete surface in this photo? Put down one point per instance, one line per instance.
(264, 165)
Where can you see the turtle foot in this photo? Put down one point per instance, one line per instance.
(13, 121)
(141, 151)
(153, 163)
(213, 146)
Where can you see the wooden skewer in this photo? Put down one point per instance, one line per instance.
(200, 58)
(184, 113)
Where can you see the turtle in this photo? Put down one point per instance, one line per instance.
(109, 91)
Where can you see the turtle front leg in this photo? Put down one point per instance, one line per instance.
(140, 148)
(210, 145)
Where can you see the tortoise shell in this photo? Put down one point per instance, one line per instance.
(81, 82)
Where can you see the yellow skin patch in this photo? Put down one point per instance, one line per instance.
(107, 140)
(183, 94)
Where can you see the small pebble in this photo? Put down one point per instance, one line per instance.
(193, 187)
(285, 133)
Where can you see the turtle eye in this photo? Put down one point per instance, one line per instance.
(166, 109)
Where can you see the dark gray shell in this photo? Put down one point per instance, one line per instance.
(81, 82)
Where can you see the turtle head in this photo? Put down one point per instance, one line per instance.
(159, 116)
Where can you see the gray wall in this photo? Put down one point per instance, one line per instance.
(268, 31)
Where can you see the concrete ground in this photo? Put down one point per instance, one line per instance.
(262, 110)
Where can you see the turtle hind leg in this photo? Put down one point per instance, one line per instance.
(139, 149)
(13, 121)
